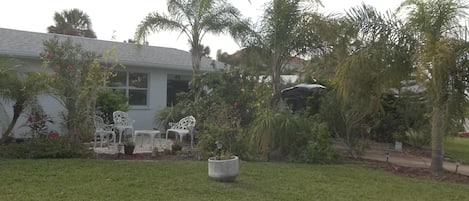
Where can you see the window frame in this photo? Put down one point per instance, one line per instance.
(127, 88)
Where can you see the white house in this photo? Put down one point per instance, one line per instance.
(164, 71)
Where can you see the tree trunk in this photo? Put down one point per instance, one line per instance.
(195, 61)
(276, 83)
(17, 109)
(437, 138)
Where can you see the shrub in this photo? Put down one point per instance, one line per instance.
(301, 138)
(109, 101)
(36, 148)
(417, 138)
(176, 146)
(318, 149)
(78, 76)
(345, 123)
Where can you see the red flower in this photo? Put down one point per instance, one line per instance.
(30, 118)
(54, 136)
(57, 67)
(49, 55)
(69, 67)
(235, 104)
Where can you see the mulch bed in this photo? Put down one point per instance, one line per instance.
(415, 172)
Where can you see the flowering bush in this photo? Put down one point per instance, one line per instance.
(79, 76)
(38, 123)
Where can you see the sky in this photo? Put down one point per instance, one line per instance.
(117, 20)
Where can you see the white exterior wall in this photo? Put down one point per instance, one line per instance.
(144, 116)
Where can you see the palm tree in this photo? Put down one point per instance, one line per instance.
(194, 19)
(440, 60)
(72, 22)
(19, 88)
(379, 60)
(285, 30)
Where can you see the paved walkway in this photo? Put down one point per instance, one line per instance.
(378, 152)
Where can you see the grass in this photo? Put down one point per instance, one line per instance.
(457, 148)
(79, 179)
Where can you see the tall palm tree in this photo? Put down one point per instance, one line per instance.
(379, 59)
(19, 88)
(285, 30)
(72, 22)
(194, 19)
(440, 59)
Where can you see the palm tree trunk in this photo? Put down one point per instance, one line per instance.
(17, 109)
(276, 82)
(437, 139)
(195, 61)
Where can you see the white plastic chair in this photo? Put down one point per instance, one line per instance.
(183, 127)
(103, 130)
(122, 122)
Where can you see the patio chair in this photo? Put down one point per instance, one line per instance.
(103, 130)
(122, 122)
(183, 127)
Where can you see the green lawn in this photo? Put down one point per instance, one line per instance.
(187, 180)
(457, 148)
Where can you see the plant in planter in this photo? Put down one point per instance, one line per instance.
(129, 147)
(223, 168)
(176, 146)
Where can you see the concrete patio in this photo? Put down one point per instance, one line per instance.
(160, 143)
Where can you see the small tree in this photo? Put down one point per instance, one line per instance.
(79, 76)
(21, 88)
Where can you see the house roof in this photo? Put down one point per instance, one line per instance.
(16, 43)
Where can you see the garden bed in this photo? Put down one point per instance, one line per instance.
(415, 172)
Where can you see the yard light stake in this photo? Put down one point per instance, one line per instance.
(387, 157)
(219, 144)
(457, 166)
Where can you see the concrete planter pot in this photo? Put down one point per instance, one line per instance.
(225, 170)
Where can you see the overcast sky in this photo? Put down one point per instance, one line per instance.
(117, 20)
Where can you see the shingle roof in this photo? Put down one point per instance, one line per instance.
(18, 43)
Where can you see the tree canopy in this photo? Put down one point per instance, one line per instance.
(72, 22)
(194, 19)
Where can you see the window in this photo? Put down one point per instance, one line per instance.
(134, 85)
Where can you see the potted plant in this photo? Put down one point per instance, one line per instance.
(129, 147)
(223, 168)
(176, 146)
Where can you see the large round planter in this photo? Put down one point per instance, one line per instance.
(225, 170)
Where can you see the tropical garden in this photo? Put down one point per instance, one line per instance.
(395, 76)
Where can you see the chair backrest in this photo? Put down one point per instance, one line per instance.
(121, 119)
(186, 123)
(99, 124)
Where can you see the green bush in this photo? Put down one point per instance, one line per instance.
(318, 149)
(345, 123)
(109, 101)
(62, 147)
(417, 138)
(170, 114)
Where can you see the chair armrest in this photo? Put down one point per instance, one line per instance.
(172, 124)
